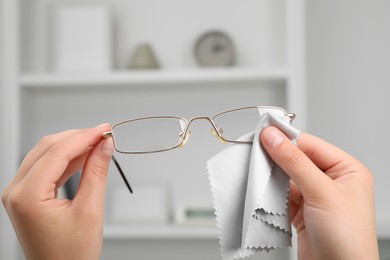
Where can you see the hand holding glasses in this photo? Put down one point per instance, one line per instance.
(162, 133)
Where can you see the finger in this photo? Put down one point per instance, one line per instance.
(54, 162)
(35, 154)
(295, 193)
(94, 177)
(74, 166)
(315, 148)
(305, 174)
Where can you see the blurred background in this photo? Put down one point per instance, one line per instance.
(71, 64)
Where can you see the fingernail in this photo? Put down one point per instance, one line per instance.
(108, 147)
(273, 137)
(101, 125)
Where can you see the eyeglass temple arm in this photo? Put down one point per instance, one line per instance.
(122, 174)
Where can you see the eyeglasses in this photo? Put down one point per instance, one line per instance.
(155, 134)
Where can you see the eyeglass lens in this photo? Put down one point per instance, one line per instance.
(148, 134)
(237, 123)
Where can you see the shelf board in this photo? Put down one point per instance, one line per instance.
(159, 232)
(186, 232)
(383, 230)
(135, 78)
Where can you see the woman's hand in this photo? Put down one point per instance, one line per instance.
(331, 197)
(51, 228)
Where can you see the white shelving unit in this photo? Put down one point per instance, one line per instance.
(126, 78)
(270, 72)
(383, 231)
(160, 232)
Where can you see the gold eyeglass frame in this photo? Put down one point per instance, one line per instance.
(184, 135)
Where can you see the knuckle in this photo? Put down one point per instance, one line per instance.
(53, 150)
(291, 156)
(15, 202)
(4, 197)
(46, 141)
(50, 144)
(56, 150)
(99, 170)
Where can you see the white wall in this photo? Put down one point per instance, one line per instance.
(348, 68)
(8, 117)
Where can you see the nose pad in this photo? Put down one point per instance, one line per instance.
(216, 135)
(185, 138)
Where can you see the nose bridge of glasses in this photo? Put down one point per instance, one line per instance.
(214, 130)
(202, 118)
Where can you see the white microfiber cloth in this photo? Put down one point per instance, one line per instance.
(250, 193)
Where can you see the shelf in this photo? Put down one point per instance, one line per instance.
(186, 232)
(136, 78)
(159, 232)
(383, 230)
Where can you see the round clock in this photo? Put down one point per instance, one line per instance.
(214, 48)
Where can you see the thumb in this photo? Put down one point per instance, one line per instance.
(306, 175)
(93, 180)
